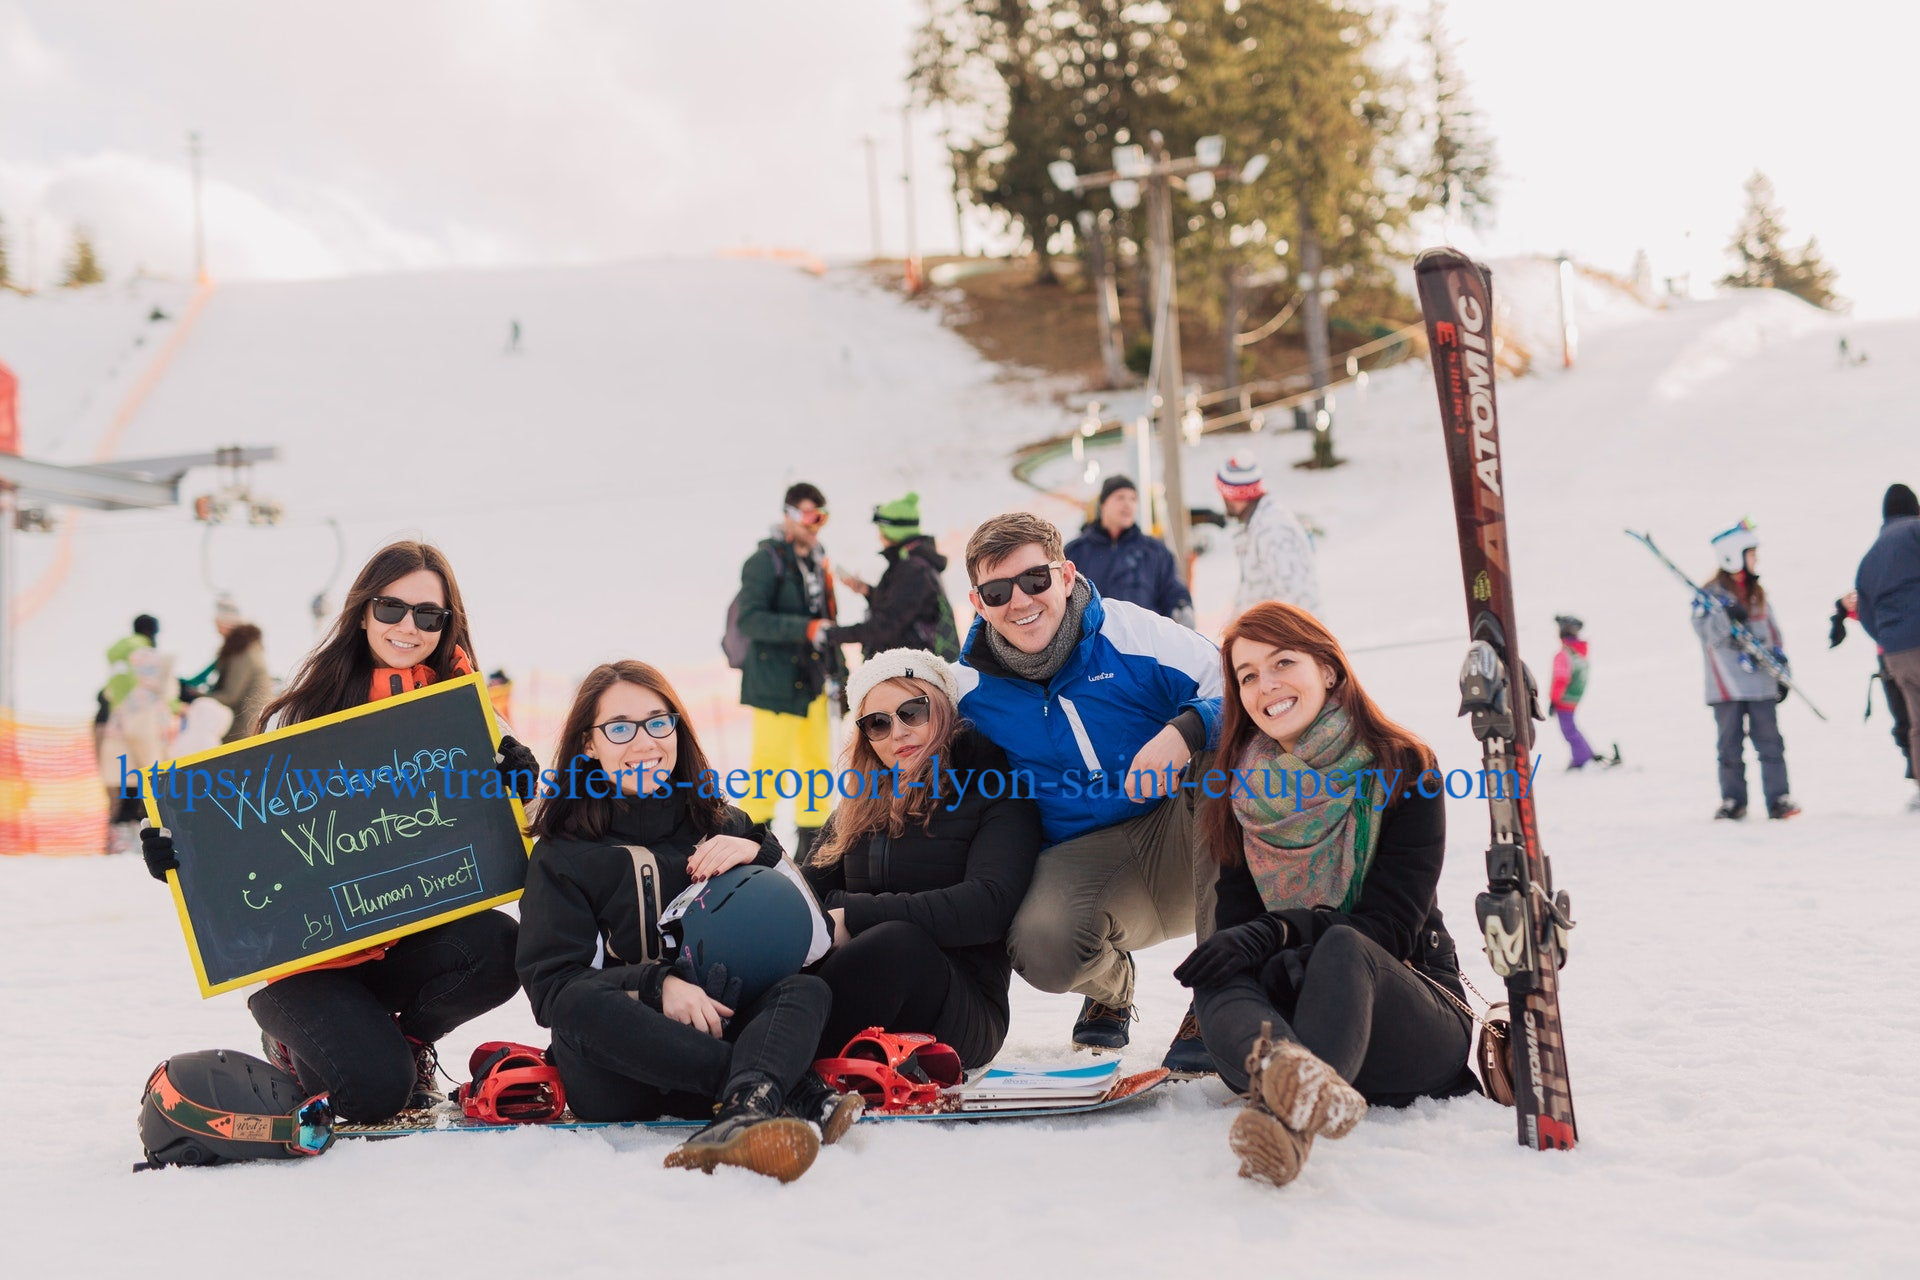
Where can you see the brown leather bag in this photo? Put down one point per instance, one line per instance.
(1493, 1056)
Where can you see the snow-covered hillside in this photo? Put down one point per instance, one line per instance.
(1740, 1030)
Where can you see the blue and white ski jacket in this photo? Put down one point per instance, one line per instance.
(1131, 674)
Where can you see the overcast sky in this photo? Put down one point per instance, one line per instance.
(353, 136)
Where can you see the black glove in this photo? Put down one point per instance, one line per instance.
(1235, 950)
(1784, 692)
(719, 985)
(517, 768)
(1736, 611)
(156, 846)
(1838, 631)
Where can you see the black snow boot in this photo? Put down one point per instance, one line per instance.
(752, 1132)
(832, 1113)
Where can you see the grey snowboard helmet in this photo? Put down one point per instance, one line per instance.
(752, 919)
(216, 1106)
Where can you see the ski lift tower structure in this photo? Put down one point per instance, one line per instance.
(30, 491)
(1152, 171)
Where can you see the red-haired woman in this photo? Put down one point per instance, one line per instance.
(635, 1038)
(1320, 990)
(362, 1028)
(922, 877)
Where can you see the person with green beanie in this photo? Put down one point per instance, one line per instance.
(908, 607)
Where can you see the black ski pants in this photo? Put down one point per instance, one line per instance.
(623, 1060)
(347, 1029)
(1738, 721)
(895, 976)
(1383, 1027)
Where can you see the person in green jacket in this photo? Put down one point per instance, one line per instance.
(786, 609)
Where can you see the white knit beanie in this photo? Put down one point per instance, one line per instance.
(915, 663)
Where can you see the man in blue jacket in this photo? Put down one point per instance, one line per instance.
(1125, 563)
(1888, 584)
(1102, 704)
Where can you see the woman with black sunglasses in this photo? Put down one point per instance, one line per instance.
(922, 872)
(363, 1027)
(634, 1037)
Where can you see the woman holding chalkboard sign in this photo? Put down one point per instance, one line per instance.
(362, 1028)
(635, 1037)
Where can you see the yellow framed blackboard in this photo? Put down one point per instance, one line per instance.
(307, 844)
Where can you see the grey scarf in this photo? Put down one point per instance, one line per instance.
(1043, 666)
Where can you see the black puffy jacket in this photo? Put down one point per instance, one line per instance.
(583, 903)
(961, 878)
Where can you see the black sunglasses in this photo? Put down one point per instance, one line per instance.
(913, 713)
(621, 732)
(997, 591)
(428, 617)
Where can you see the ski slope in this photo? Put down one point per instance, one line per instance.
(1741, 1032)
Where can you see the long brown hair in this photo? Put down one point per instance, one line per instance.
(337, 673)
(578, 816)
(1286, 626)
(1748, 592)
(237, 641)
(874, 809)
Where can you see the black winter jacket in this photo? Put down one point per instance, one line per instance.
(1398, 908)
(960, 879)
(1134, 566)
(903, 608)
(582, 901)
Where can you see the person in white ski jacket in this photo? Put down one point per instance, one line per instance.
(1275, 553)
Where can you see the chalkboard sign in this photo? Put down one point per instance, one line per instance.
(310, 843)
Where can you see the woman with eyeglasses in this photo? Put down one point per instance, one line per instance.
(922, 871)
(362, 1028)
(634, 1037)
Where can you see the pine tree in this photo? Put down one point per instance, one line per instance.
(1762, 259)
(83, 268)
(1048, 79)
(1458, 171)
(1298, 81)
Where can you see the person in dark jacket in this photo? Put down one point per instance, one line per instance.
(922, 882)
(786, 609)
(1887, 589)
(634, 1036)
(1123, 562)
(1330, 980)
(907, 608)
(362, 1027)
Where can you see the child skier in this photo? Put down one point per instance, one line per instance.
(1569, 683)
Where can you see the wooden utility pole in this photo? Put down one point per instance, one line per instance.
(1106, 298)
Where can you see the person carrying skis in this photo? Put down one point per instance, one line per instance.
(786, 608)
(363, 1027)
(1125, 563)
(636, 1037)
(1743, 696)
(908, 606)
(1330, 982)
(1276, 555)
(1887, 591)
(1104, 703)
(921, 883)
(1569, 683)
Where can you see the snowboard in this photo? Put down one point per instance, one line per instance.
(446, 1120)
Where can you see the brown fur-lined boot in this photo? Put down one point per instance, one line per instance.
(1302, 1092)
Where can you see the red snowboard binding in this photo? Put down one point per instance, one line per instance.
(893, 1071)
(512, 1084)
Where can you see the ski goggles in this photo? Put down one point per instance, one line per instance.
(428, 617)
(307, 1131)
(913, 713)
(995, 592)
(621, 732)
(811, 519)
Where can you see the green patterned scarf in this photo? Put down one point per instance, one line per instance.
(1311, 852)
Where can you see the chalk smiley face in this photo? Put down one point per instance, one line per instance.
(246, 894)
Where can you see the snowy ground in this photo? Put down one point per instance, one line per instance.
(1741, 1023)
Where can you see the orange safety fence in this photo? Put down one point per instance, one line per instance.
(51, 798)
